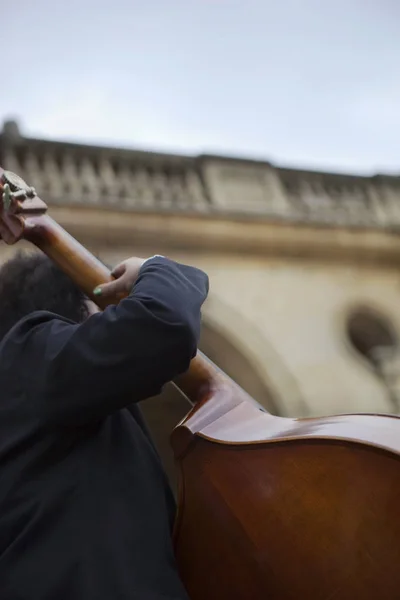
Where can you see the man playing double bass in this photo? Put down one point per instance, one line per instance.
(85, 508)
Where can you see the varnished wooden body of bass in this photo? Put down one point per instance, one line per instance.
(282, 509)
(269, 508)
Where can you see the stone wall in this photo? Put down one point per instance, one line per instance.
(290, 254)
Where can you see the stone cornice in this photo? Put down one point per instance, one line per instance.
(205, 234)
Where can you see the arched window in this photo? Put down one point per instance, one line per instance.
(371, 335)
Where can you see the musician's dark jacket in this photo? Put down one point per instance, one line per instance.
(85, 509)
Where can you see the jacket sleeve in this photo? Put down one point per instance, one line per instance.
(124, 354)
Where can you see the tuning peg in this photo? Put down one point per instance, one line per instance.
(6, 198)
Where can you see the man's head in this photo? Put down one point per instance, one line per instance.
(32, 282)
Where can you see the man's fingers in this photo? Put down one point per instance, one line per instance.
(125, 275)
(119, 270)
(114, 288)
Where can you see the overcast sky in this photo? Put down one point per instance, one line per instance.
(307, 83)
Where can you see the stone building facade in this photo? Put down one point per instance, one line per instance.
(304, 307)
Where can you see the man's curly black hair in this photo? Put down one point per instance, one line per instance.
(31, 282)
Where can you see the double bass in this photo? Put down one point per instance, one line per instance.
(269, 508)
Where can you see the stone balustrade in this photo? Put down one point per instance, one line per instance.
(71, 174)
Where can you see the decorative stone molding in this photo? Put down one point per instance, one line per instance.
(76, 175)
(165, 233)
